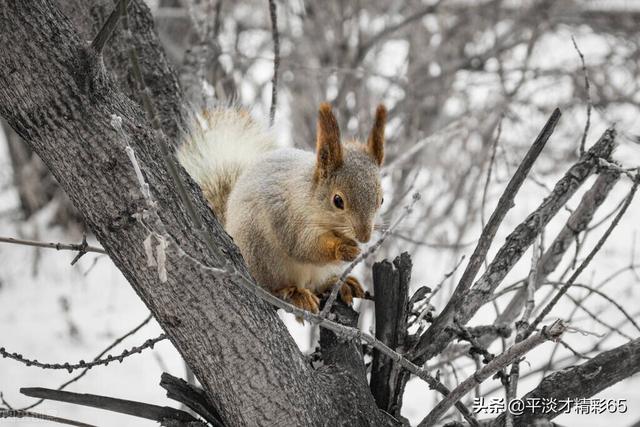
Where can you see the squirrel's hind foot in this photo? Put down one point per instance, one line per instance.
(350, 289)
(301, 298)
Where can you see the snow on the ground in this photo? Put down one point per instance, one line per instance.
(101, 307)
(37, 284)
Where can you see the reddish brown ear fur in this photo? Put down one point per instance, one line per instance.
(375, 143)
(328, 145)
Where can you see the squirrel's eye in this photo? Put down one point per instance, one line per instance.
(338, 202)
(381, 201)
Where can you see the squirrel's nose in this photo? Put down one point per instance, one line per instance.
(363, 234)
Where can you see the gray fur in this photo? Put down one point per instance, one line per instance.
(277, 211)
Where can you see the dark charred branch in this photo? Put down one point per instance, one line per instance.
(191, 396)
(391, 288)
(122, 406)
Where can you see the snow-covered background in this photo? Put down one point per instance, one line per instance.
(55, 312)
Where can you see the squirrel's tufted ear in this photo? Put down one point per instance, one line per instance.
(375, 143)
(328, 146)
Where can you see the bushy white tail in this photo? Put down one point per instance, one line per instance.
(223, 143)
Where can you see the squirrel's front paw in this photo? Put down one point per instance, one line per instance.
(347, 250)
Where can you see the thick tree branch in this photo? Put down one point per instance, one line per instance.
(107, 29)
(505, 203)
(582, 381)
(436, 338)
(576, 224)
(129, 407)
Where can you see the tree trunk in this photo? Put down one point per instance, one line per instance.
(60, 98)
(36, 187)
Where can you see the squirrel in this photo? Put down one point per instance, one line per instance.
(295, 215)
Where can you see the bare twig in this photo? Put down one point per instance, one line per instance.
(390, 29)
(579, 305)
(82, 364)
(448, 274)
(102, 353)
(585, 380)
(4, 402)
(532, 280)
(589, 103)
(448, 132)
(273, 13)
(57, 246)
(569, 361)
(432, 244)
(105, 32)
(476, 348)
(436, 289)
(577, 223)
(492, 159)
(603, 295)
(39, 416)
(629, 172)
(512, 385)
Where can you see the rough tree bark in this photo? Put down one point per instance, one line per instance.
(88, 16)
(35, 184)
(58, 96)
